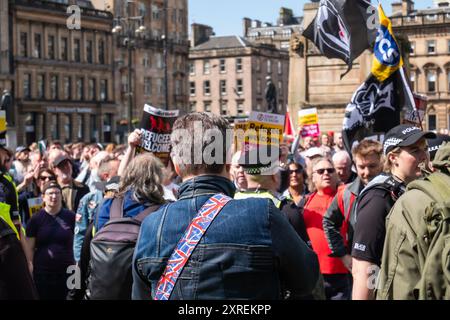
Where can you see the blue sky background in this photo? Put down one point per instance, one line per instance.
(225, 16)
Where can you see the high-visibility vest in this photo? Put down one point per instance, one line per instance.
(5, 208)
(263, 195)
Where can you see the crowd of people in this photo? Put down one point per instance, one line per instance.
(312, 222)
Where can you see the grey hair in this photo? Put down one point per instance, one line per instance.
(192, 135)
(143, 176)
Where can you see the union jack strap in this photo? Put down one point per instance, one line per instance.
(187, 244)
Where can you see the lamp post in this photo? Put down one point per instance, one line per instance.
(129, 27)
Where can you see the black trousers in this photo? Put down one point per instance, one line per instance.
(51, 285)
(338, 286)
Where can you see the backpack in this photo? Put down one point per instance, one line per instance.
(112, 251)
(433, 239)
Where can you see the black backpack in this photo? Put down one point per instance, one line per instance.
(112, 251)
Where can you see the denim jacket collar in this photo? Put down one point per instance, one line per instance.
(208, 184)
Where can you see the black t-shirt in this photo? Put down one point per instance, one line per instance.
(370, 229)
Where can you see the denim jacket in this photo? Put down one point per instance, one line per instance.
(249, 251)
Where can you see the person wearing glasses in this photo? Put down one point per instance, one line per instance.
(325, 183)
(50, 235)
(297, 188)
(339, 221)
(406, 152)
(30, 200)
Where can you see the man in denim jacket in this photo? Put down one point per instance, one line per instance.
(250, 251)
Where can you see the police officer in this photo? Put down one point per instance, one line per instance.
(406, 152)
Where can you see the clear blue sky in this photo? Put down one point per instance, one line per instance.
(225, 16)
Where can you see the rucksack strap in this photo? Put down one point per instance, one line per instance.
(116, 211)
(141, 216)
(191, 238)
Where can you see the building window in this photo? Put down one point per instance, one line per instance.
(54, 127)
(192, 88)
(67, 128)
(223, 108)
(77, 50)
(107, 127)
(159, 86)
(24, 44)
(431, 81)
(27, 86)
(94, 128)
(67, 88)
(37, 52)
(159, 60)
(51, 47)
(207, 106)
(238, 64)
(222, 66)
(280, 87)
(413, 81)
(41, 86)
(147, 86)
(101, 52)
(431, 46)
(240, 108)
(89, 56)
(206, 88)
(269, 66)
(258, 64)
(280, 67)
(191, 68)
(240, 86)
(80, 130)
(155, 12)
(223, 87)
(431, 122)
(193, 106)
(146, 61)
(92, 90)
(80, 89)
(54, 87)
(258, 86)
(448, 80)
(412, 46)
(178, 87)
(64, 49)
(104, 90)
(206, 67)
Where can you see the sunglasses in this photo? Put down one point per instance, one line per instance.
(299, 170)
(328, 170)
(50, 178)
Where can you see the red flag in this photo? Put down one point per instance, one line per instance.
(288, 127)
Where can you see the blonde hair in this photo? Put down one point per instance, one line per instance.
(144, 176)
(388, 165)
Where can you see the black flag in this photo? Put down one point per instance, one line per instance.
(374, 108)
(343, 29)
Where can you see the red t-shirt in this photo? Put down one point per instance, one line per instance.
(315, 209)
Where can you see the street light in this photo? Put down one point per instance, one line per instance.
(126, 26)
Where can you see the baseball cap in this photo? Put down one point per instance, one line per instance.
(50, 184)
(404, 135)
(314, 152)
(22, 148)
(59, 159)
(435, 144)
(256, 162)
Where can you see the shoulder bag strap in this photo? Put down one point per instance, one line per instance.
(116, 210)
(141, 216)
(191, 238)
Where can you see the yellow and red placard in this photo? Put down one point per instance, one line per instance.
(308, 120)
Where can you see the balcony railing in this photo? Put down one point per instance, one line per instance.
(421, 19)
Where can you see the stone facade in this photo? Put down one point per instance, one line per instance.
(158, 58)
(315, 80)
(64, 77)
(228, 76)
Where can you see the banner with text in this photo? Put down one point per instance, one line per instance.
(156, 127)
(308, 120)
(264, 129)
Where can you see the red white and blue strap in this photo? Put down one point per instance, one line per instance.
(187, 244)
